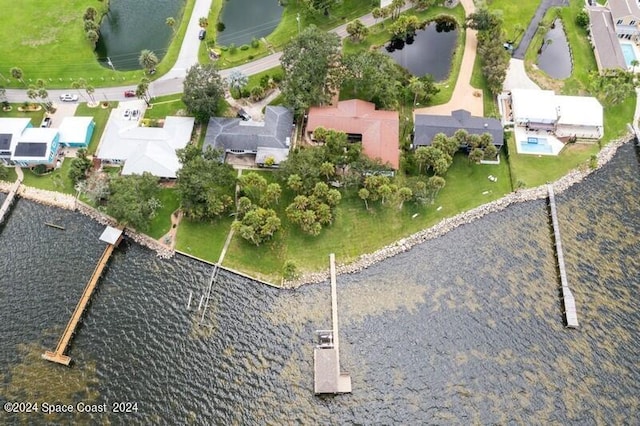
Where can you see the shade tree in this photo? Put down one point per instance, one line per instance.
(133, 200)
(203, 90)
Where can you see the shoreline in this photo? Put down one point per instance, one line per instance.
(68, 202)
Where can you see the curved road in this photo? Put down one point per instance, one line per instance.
(172, 81)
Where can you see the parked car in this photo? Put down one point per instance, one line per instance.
(202, 34)
(244, 115)
(68, 97)
(46, 122)
(129, 93)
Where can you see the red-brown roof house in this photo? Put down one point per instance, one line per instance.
(378, 129)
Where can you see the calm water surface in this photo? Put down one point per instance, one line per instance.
(555, 58)
(248, 19)
(134, 25)
(464, 329)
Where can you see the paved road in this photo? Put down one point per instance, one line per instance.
(533, 25)
(171, 82)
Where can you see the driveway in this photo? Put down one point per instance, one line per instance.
(517, 77)
(533, 26)
(63, 109)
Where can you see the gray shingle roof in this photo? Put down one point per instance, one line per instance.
(427, 126)
(605, 40)
(234, 134)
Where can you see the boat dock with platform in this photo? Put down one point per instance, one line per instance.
(326, 355)
(112, 236)
(567, 296)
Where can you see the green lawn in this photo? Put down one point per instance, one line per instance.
(516, 16)
(56, 180)
(203, 240)
(48, 42)
(357, 231)
(100, 117)
(479, 81)
(161, 224)
(163, 106)
(35, 116)
(534, 170)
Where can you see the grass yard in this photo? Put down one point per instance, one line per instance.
(100, 117)
(479, 81)
(56, 180)
(35, 116)
(533, 170)
(357, 231)
(161, 224)
(163, 106)
(48, 42)
(203, 240)
(516, 16)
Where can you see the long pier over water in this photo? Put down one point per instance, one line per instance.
(567, 296)
(112, 237)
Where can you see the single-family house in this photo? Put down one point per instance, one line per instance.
(626, 18)
(76, 132)
(563, 116)
(427, 126)
(378, 130)
(10, 131)
(36, 146)
(268, 140)
(614, 29)
(143, 149)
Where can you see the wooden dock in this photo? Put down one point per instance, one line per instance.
(567, 296)
(6, 205)
(113, 237)
(326, 355)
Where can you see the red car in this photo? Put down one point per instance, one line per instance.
(130, 94)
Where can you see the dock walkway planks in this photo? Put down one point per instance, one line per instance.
(567, 296)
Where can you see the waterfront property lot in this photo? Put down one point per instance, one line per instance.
(355, 230)
(100, 117)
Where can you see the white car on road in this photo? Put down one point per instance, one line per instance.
(68, 97)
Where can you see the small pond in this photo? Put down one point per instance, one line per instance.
(430, 51)
(555, 57)
(245, 19)
(132, 26)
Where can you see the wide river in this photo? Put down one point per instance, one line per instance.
(467, 328)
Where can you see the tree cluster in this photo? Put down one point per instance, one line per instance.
(614, 86)
(380, 187)
(203, 90)
(256, 220)
(79, 167)
(205, 184)
(495, 59)
(91, 25)
(438, 156)
(313, 210)
(133, 200)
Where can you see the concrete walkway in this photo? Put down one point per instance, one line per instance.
(464, 95)
(519, 52)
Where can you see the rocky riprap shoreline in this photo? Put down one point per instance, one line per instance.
(448, 224)
(69, 202)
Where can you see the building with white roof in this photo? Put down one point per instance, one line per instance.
(10, 131)
(76, 132)
(143, 149)
(564, 116)
(35, 146)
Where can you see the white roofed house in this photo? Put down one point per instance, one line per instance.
(36, 146)
(10, 131)
(76, 132)
(564, 116)
(143, 149)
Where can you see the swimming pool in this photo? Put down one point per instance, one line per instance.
(629, 53)
(535, 146)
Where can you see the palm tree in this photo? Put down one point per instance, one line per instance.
(364, 195)
(17, 74)
(237, 80)
(142, 90)
(417, 87)
(171, 22)
(93, 36)
(32, 93)
(148, 60)
(79, 84)
(90, 91)
(634, 64)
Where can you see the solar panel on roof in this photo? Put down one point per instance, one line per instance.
(30, 149)
(5, 140)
